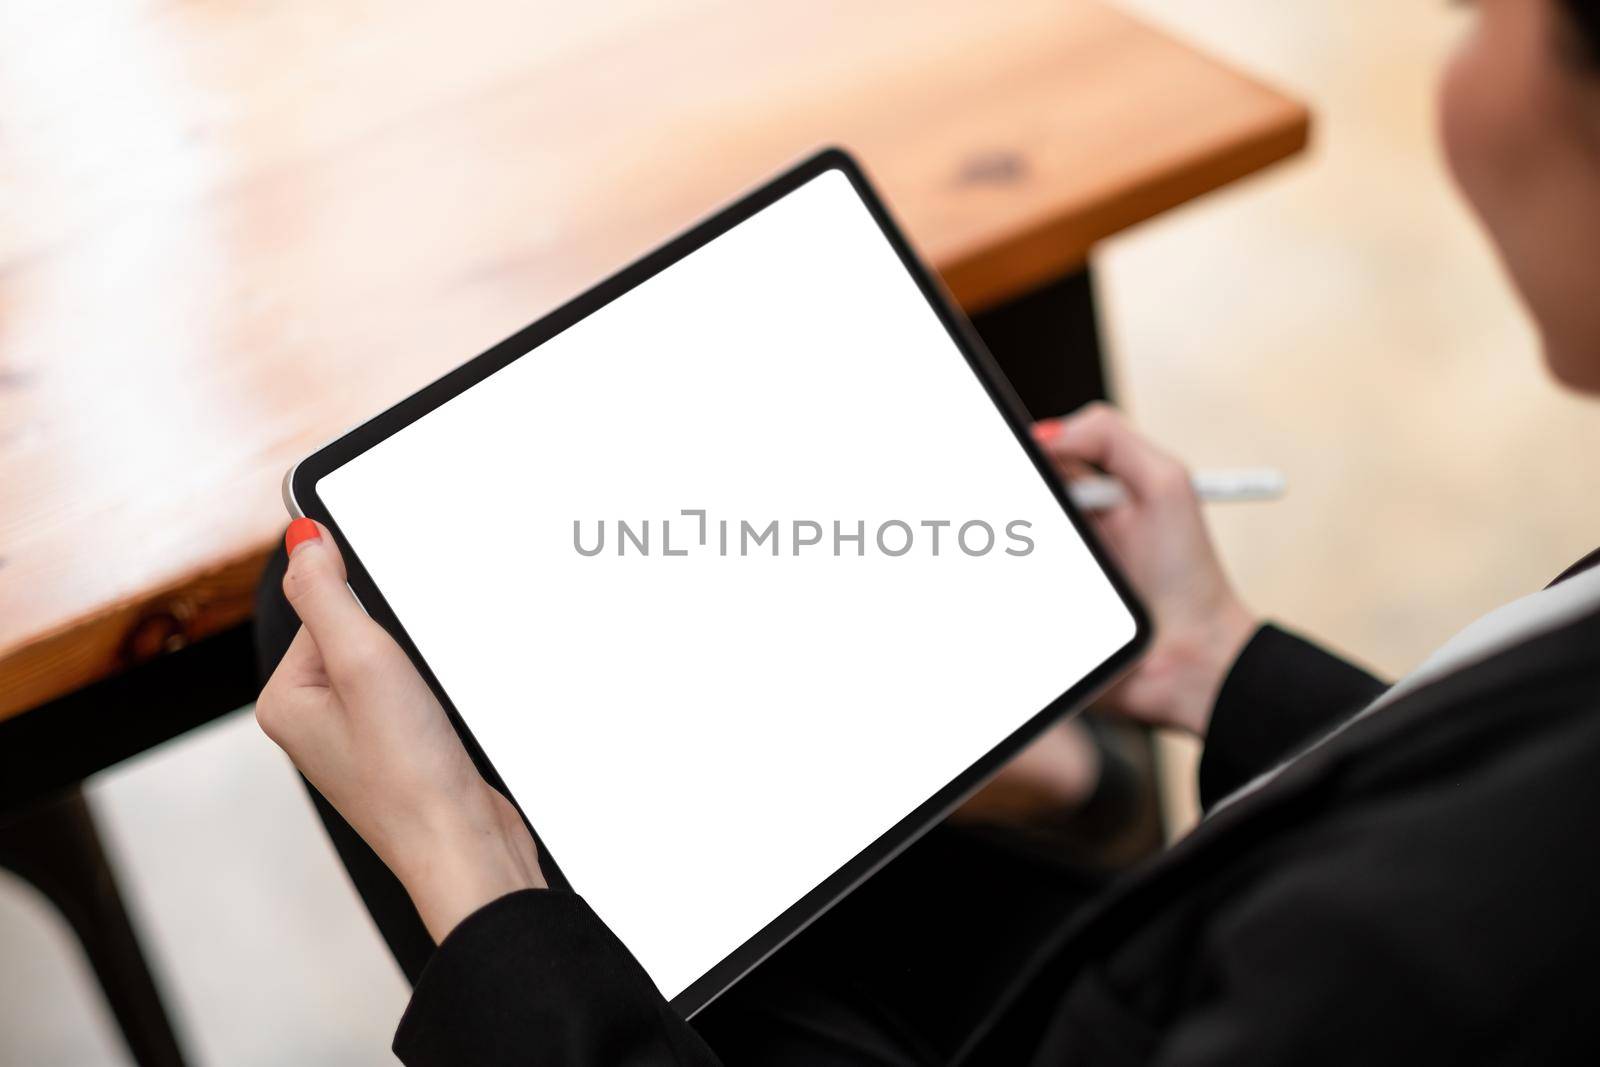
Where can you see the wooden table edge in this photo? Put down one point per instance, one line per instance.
(1012, 264)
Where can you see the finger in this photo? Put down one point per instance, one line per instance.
(1045, 432)
(298, 675)
(1097, 434)
(315, 586)
(302, 664)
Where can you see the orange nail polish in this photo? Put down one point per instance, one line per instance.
(1047, 431)
(300, 531)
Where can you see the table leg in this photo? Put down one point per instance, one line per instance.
(1048, 343)
(47, 832)
(56, 846)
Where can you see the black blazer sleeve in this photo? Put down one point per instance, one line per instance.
(536, 977)
(1282, 692)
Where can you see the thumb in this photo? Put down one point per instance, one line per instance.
(315, 586)
(1098, 434)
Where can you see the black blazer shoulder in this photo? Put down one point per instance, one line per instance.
(1418, 889)
(1282, 693)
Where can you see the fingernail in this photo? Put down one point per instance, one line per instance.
(1047, 430)
(300, 531)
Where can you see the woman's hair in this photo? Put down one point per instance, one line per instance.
(1584, 16)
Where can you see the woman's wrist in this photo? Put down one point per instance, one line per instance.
(1215, 649)
(465, 856)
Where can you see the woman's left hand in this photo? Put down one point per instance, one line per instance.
(1160, 538)
(359, 722)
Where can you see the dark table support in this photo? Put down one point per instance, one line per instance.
(54, 845)
(52, 748)
(1048, 343)
(47, 831)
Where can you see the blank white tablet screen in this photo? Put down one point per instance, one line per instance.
(701, 738)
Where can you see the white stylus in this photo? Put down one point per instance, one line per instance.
(1213, 486)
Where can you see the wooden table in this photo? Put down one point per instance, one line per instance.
(226, 234)
(225, 237)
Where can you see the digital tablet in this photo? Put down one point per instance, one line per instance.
(736, 573)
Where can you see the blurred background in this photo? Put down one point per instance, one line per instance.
(1340, 317)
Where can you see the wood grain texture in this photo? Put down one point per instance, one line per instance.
(226, 234)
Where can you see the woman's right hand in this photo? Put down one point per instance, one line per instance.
(1160, 538)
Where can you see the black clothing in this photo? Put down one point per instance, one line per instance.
(1416, 890)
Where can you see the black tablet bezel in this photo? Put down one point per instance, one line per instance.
(302, 497)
